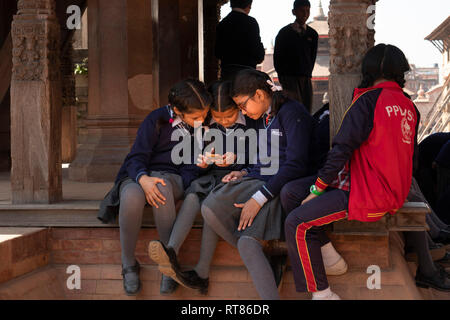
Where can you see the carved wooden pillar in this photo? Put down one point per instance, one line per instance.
(36, 104)
(350, 38)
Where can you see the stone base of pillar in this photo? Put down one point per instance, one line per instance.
(101, 153)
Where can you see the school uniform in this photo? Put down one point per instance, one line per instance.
(213, 175)
(151, 155)
(292, 128)
(368, 174)
(294, 58)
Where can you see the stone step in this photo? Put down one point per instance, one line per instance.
(104, 281)
(102, 245)
(22, 250)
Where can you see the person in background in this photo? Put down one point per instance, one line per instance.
(238, 41)
(295, 55)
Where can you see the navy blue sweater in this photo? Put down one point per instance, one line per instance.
(295, 54)
(152, 150)
(295, 126)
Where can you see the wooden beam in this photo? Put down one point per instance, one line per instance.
(5, 66)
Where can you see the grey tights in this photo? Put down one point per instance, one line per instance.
(251, 252)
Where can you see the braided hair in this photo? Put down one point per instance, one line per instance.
(187, 96)
(221, 94)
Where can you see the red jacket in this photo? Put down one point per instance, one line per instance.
(378, 136)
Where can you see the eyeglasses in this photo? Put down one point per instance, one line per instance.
(243, 106)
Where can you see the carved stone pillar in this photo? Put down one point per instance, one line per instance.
(36, 104)
(350, 38)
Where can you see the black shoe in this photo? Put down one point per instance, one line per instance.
(166, 258)
(278, 264)
(444, 237)
(445, 261)
(168, 286)
(131, 286)
(438, 281)
(192, 280)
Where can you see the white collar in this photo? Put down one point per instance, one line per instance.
(240, 10)
(240, 120)
(176, 121)
(268, 111)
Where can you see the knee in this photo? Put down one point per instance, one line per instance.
(207, 213)
(246, 243)
(132, 194)
(291, 223)
(285, 197)
(167, 190)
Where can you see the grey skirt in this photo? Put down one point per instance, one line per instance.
(109, 207)
(205, 184)
(267, 225)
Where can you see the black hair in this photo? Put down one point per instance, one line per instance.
(189, 95)
(384, 61)
(247, 81)
(221, 94)
(301, 3)
(242, 4)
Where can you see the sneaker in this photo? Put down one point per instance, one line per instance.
(339, 268)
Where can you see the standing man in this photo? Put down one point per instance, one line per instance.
(295, 55)
(238, 42)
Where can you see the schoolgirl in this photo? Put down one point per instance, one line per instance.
(148, 175)
(218, 159)
(245, 208)
(367, 173)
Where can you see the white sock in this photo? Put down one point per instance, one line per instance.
(329, 255)
(322, 294)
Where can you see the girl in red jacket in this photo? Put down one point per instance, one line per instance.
(367, 174)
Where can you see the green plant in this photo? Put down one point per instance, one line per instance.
(81, 68)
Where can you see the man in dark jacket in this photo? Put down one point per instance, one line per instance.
(295, 55)
(238, 42)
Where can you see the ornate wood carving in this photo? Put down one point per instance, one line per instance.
(35, 36)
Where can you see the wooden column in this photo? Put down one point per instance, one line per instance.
(36, 104)
(167, 66)
(69, 105)
(350, 38)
